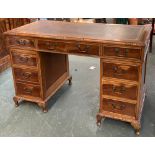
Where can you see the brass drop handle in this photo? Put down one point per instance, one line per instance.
(23, 42)
(28, 90)
(119, 89)
(85, 49)
(117, 70)
(26, 75)
(120, 54)
(118, 107)
(23, 59)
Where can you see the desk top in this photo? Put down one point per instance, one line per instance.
(134, 34)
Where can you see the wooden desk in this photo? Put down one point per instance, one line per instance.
(39, 55)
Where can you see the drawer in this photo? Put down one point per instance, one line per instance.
(26, 75)
(69, 47)
(21, 42)
(27, 89)
(122, 52)
(120, 71)
(118, 107)
(86, 49)
(24, 59)
(122, 90)
(51, 45)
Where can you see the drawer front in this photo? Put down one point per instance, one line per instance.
(118, 107)
(24, 59)
(21, 42)
(122, 52)
(120, 90)
(28, 90)
(120, 71)
(86, 49)
(26, 75)
(51, 45)
(69, 47)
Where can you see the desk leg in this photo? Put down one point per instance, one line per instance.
(98, 120)
(16, 101)
(137, 127)
(44, 108)
(70, 80)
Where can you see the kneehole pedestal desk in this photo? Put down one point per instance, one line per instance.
(39, 56)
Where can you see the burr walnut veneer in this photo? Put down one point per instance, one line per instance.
(39, 56)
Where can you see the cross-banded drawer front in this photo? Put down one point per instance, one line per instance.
(86, 49)
(28, 90)
(122, 52)
(118, 107)
(120, 90)
(52, 45)
(21, 42)
(120, 71)
(69, 47)
(24, 59)
(26, 75)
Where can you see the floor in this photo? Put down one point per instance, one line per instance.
(73, 109)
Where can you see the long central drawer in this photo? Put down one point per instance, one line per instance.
(69, 47)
